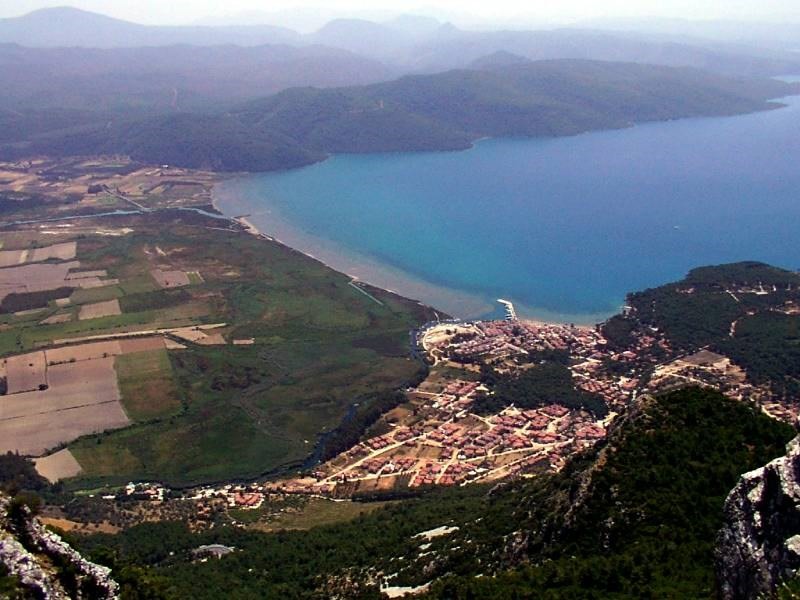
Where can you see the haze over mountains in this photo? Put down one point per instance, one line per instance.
(65, 26)
(445, 111)
(784, 36)
(172, 78)
(414, 43)
(259, 97)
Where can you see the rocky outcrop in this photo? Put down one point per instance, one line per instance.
(26, 568)
(44, 564)
(759, 545)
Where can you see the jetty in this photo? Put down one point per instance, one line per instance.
(511, 314)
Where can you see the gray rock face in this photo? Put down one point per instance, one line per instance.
(759, 546)
(27, 569)
(29, 551)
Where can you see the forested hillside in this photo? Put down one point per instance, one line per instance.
(171, 79)
(747, 311)
(635, 517)
(446, 111)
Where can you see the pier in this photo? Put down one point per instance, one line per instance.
(511, 314)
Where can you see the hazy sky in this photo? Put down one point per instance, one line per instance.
(184, 11)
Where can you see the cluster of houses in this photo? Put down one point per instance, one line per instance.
(434, 473)
(706, 369)
(384, 465)
(715, 371)
(450, 405)
(504, 342)
(379, 443)
(143, 491)
(461, 449)
(243, 499)
(512, 430)
(788, 412)
(460, 388)
(382, 442)
(494, 340)
(234, 496)
(615, 391)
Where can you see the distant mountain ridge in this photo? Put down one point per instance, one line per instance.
(172, 78)
(409, 43)
(446, 111)
(461, 49)
(501, 58)
(68, 27)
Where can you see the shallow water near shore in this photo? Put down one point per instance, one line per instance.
(563, 227)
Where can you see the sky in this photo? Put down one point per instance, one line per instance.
(509, 11)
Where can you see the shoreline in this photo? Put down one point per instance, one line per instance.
(249, 227)
(372, 270)
(365, 269)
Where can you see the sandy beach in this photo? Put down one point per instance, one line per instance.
(252, 229)
(456, 303)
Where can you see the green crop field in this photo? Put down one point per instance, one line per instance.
(320, 347)
(311, 512)
(100, 294)
(31, 335)
(147, 385)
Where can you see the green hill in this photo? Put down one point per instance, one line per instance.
(747, 311)
(446, 111)
(548, 98)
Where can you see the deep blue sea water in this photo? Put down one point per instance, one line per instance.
(564, 227)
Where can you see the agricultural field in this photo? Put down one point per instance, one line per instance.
(45, 188)
(107, 308)
(11, 258)
(57, 466)
(306, 513)
(147, 383)
(74, 399)
(228, 353)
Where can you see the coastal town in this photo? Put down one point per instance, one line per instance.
(438, 438)
(445, 432)
(445, 302)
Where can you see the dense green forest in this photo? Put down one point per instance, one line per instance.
(18, 474)
(634, 518)
(445, 111)
(536, 386)
(738, 309)
(31, 300)
(768, 344)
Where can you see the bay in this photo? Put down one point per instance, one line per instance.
(562, 227)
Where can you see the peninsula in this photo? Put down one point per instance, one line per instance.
(300, 126)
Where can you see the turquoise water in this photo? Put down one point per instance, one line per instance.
(563, 227)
